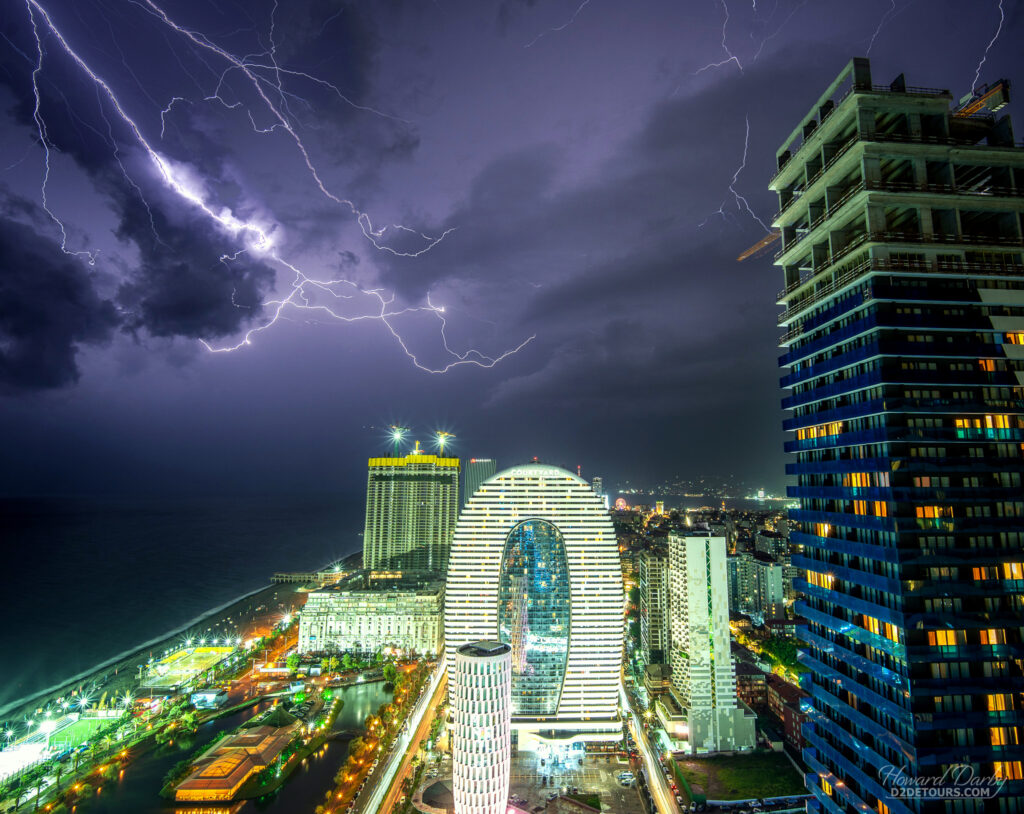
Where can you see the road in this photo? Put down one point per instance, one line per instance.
(664, 800)
(385, 793)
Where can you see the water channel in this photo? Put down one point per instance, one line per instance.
(136, 790)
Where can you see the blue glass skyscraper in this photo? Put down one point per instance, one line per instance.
(901, 224)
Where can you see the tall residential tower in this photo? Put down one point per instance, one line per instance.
(904, 364)
(412, 504)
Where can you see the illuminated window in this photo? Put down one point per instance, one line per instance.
(934, 512)
(993, 636)
(873, 625)
(1008, 770)
(1005, 735)
(820, 430)
(826, 787)
(858, 479)
(892, 633)
(1013, 570)
(821, 580)
(822, 529)
(946, 638)
(882, 808)
(988, 365)
(1000, 702)
(985, 572)
(1015, 338)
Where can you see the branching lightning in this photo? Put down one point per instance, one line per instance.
(256, 237)
(741, 202)
(730, 56)
(999, 28)
(561, 27)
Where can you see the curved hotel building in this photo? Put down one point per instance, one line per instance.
(534, 563)
(481, 738)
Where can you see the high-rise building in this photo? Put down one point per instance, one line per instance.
(904, 361)
(597, 484)
(653, 585)
(756, 585)
(412, 504)
(481, 690)
(703, 675)
(477, 471)
(534, 558)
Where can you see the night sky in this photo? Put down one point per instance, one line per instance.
(571, 172)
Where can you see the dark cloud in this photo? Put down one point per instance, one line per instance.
(48, 310)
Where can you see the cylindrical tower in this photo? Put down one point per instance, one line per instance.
(482, 732)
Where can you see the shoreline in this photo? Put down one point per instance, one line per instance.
(121, 668)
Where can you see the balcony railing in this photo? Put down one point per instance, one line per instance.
(853, 274)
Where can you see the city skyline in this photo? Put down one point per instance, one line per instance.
(590, 208)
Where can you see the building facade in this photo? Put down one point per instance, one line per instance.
(703, 675)
(481, 691)
(535, 564)
(903, 357)
(653, 585)
(412, 505)
(477, 471)
(756, 585)
(380, 614)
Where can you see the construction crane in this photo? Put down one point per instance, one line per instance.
(442, 439)
(994, 97)
(397, 434)
(761, 245)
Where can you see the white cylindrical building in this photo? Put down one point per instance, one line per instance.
(482, 731)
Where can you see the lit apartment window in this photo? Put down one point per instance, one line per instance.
(1015, 338)
(826, 787)
(1008, 770)
(820, 430)
(1013, 570)
(934, 512)
(1000, 702)
(821, 580)
(985, 572)
(993, 636)
(946, 638)
(1005, 735)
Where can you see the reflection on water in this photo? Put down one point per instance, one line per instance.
(137, 788)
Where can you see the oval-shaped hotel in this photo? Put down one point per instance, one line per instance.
(534, 563)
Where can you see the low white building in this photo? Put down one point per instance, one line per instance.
(373, 615)
(482, 727)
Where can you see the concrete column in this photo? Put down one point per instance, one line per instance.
(871, 169)
(924, 216)
(875, 218)
(865, 121)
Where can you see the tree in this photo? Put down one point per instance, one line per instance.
(292, 662)
(325, 664)
(390, 672)
(346, 661)
(334, 664)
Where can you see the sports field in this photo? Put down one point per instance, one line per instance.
(183, 665)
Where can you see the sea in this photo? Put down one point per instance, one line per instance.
(84, 580)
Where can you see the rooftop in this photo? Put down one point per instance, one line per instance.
(484, 649)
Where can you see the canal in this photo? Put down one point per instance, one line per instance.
(136, 791)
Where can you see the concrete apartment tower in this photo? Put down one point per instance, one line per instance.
(703, 674)
(412, 505)
(903, 356)
(481, 732)
(654, 618)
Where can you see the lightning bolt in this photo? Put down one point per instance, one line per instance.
(999, 28)
(255, 237)
(561, 27)
(730, 56)
(741, 202)
(878, 29)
